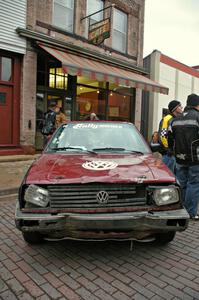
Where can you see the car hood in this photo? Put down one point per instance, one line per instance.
(107, 168)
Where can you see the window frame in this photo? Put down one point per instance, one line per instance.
(88, 20)
(11, 68)
(63, 27)
(126, 33)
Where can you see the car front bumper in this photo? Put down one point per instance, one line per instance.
(134, 225)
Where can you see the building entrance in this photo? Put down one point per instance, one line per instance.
(6, 115)
(9, 102)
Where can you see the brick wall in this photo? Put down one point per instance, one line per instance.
(28, 99)
(41, 10)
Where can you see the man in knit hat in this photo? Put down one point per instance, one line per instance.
(175, 109)
(184, 137)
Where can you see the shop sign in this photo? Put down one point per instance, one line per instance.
(99, 31)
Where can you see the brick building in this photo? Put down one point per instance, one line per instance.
(61, 64)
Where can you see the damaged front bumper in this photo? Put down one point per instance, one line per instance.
(133, 225)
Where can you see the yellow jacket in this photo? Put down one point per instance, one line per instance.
(163, 130)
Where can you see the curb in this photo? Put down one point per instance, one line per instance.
(8, 197)
(18, 158)
(9, 194)
(9, 191)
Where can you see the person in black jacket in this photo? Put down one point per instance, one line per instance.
(175, 109)
(183, 137)
(49, 122)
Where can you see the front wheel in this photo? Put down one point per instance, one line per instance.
(33, 237)
(165, 238)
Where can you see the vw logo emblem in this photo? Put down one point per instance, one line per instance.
(102, 197)
(99, 165)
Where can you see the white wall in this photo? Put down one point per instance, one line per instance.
(180, 85)
(196, 85)
(12, 15)
(184, 86)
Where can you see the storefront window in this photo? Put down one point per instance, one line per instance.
(90, 100)
(119, 107)
(57, 79)
(88, 81)
(119, 31)
(5, 68)
(63, 14)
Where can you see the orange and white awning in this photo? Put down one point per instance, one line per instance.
(82, 66)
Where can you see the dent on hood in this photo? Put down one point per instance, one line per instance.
(69, 169)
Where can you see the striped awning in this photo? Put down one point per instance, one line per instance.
(82, 66)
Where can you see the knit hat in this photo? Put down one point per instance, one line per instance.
(193, 100)
(173, 105)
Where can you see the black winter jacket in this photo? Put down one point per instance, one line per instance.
(183, 137)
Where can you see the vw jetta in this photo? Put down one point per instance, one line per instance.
(99, 180)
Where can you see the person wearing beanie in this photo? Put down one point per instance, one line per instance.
(175, 109)
(192, 100)
(173, 105)
(184, 138)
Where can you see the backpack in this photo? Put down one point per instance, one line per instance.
(49, 123)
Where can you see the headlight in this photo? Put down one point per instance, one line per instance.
(36, 195)
(164, 196)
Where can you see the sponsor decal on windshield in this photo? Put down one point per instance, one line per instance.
(94, 126)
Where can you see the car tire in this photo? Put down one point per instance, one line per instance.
(33, 237)
(164, 238)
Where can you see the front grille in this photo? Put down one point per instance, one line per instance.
(85, 196)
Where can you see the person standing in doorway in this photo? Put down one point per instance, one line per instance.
(60, 116)
(175, 109)
(49, 122)
(184, 137)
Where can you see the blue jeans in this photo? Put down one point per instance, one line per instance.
(170, 161)
(188, 177)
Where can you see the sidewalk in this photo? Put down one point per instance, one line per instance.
(12, 171)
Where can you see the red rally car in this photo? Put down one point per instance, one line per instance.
(99, 180)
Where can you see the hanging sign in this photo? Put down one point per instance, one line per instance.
(99, 31)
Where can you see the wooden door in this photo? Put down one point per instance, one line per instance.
(6, 112)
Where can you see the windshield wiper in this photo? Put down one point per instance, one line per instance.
(135, 151)
(109, 149)
(72, 148)
(117, 149)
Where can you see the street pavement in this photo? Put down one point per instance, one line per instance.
(90, 270)
(96, 270)
(12, 171)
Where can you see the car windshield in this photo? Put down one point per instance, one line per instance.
(98, 137)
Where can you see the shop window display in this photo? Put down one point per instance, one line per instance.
(119, 107)
(90, 100)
